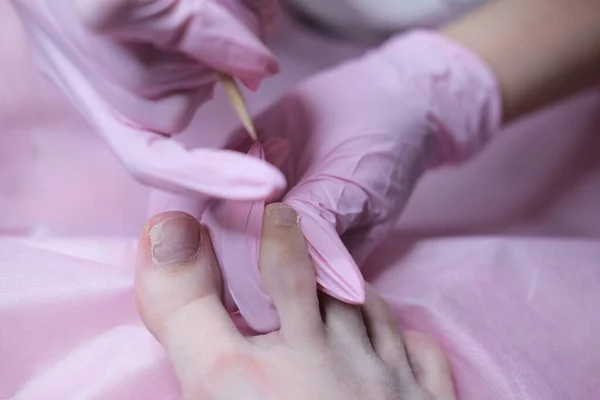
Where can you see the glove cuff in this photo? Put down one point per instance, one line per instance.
(463, 101)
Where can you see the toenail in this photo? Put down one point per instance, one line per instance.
(283, 215)
(175, 240)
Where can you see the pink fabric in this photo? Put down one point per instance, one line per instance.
(516, 323)
(512, 300)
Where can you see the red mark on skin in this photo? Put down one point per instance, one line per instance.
(236, 368)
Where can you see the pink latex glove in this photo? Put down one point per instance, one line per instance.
(135, 68)
(352, 143)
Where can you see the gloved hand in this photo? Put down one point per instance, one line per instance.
(352, 142)
(135, 68)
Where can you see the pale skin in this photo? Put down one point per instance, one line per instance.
(324, 350)
(541, 51)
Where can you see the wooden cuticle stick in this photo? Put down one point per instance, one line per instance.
(236, 98)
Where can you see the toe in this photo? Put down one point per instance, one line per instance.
(430, 366)
(288, 274)
(345, 324)
(178, 287)
(384, 333)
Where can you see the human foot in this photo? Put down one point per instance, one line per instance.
(323, 350)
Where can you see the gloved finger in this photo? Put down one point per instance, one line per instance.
(161, 202)
(204, 30)
(148, 87)
(277, 150)
(266, 12)
(163, 110)
(154, 90)
(236, 231)
(163, 162)
(337, 272)
(274, 150)
(178, 292)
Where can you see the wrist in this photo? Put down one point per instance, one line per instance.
(541, 51)
(460, 91)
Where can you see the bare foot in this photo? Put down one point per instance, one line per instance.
(324, 349)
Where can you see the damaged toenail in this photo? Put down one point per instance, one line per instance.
(175, 240)
(283, 215)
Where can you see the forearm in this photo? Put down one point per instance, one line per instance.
(540, 50)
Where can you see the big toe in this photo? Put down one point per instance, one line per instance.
(176, 267)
